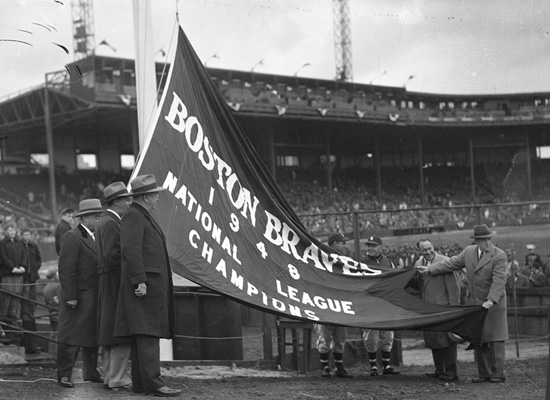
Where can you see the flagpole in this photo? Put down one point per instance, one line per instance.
(146, 92)
(146, 79)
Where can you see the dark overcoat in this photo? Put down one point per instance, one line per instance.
(78, 277)
(437, 289)
(486, 280)
(12, 254)
(144, 259)
(107, 241)
(61, 228)
(34, 261)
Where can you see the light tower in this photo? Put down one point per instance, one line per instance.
(83, 28)
(342, 40)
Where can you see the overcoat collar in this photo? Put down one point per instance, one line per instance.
(148, 215)
(86, 238)
(487, 257)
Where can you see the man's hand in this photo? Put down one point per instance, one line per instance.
(488, 304)
(423, 269)
(72, 303)
(141, 290)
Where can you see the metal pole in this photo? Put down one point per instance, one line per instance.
(356, 236)
(421, 169)
(472, 172)
(49, 144)
(516, 328)
(548, 369)
(329, 171)
(528, 163)
(377, 167)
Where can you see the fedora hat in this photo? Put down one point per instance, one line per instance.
(482, 232)
(88, 207)
(114, 191)
(143, 184)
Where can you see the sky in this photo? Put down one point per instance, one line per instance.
(446, 46)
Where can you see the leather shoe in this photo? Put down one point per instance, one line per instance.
(480, 380)
(127, 388)
(165, 391)
(66, 382)
(448, 378)
(432, 374)
(497, 380)
(390, 371)
(96, 380)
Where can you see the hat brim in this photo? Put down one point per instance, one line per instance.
(482, 236)
(157, 189)
(104, 201)
(379, 244)
(89, 212)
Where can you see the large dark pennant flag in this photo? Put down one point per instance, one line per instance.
(230, 229)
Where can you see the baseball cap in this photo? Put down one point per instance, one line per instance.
(337, 237)
(374, 240)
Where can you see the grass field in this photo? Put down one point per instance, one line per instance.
(515, 237)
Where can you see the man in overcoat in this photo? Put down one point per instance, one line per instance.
(116, 351)
(485, 267)
(64, 226)
(12, 270)
(32, 266)
(442, 290)
(145, 310)
(78, 304)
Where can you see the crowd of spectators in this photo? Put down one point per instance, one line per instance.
(369, 103)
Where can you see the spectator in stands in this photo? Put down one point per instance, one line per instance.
(65, 225)
(13, 270)
(375, 339)
(442, 290)
(537, 277)
(485, 267)
(331, 337)
(511, 262)
(33, 263)
(516, 280)
(531, 254)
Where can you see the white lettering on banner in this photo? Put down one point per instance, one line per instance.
(281, 235)
(239, 196)
(318, 301)
(202, 217)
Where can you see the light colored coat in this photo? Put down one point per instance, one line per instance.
(486, 280)
(441, 290)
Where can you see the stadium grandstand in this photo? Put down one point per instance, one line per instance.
(332, 145)
(359, 158)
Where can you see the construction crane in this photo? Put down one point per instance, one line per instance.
(83, 28)
(342, 40)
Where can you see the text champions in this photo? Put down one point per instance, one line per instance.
(277, 232)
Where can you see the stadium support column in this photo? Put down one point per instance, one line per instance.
(472, 169)
(329, 171)
(377, 167)
(49, 144)
(421, 169)
(528, 164)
